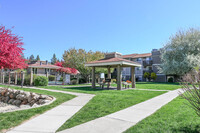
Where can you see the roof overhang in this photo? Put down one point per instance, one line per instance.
(43, 67)
(105, 64)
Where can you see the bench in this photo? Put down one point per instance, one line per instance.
(105, 82)
(125, 84)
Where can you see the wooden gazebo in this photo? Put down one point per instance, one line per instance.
(114, 60)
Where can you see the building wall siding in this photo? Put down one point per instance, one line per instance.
(156, 61)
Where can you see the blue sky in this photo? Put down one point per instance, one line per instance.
(125, 26)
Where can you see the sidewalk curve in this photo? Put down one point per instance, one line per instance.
(122, 120)
(51, 120)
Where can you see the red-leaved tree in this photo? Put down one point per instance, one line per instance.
(10, 50)
(66, 69)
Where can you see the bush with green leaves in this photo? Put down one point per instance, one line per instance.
(51, 77)
(170, 80)
(41, 81)
(146, 75)
(153, 76)
(74, 82)
(82, 80)
(6, 78)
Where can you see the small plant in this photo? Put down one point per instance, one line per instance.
(41, 81)
(191, 92)
(153, 76)
(51, 77)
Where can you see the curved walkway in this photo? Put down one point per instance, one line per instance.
(124, 119)
(51, 120)
(116, 122)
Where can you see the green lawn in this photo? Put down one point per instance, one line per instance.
(104, 103)
(12, 119)
(155, 85)
(175, 117)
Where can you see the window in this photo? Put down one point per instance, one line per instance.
(46, 70)
(34, 70)
(139, 59)
(139, 68)
(148, 58)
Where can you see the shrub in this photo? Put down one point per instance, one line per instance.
(27, 79)
(153, 76)
(74, 82)
(34, 76)
(190, 90)
(41, 81)
(170, 80)
(6, 79)
(82, 80)
(73, 78)
(113, 80)
(51, 77)
(146, 75)
(19, 81)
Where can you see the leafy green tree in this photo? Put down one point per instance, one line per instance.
(38, 58)
(153, 76)
(147, 75)
(32, 58)
(54, 59)
(182, 53)
(76, 58)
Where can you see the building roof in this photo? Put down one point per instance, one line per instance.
(112, 62)
(128, 55)
(43, 65)
(136, 55)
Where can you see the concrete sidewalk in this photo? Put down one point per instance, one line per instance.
(51, 120)
(122, 120)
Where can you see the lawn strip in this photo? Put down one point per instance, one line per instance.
(176, 116)
(12, 119)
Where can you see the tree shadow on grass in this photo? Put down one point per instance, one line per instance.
(165, 83)
(82, 88)
(188, 129)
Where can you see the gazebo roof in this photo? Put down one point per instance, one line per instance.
(113, 62)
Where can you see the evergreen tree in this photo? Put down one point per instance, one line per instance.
(38, 58)
(32, 58)
(53, 59)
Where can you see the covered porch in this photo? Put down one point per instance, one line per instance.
(113, 60)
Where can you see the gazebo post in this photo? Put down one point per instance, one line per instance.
(15, 77)
(133, 76)
(93, 77)
(109, 76)
(31, 79)
(119, 78)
